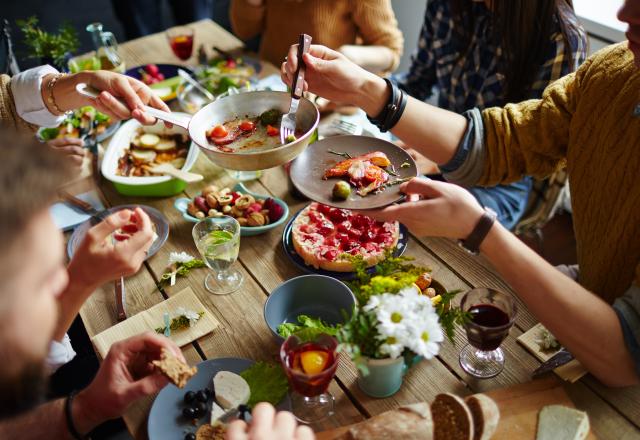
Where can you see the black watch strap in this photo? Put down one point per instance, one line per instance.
(480, 231)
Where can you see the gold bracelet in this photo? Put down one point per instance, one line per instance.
(50, 98)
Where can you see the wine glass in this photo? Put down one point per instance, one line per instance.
(310, 366)
(492, 315)
(218, 241)
(181, 41)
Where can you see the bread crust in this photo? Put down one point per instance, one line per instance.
(486, 415)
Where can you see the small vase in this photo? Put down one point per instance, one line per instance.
(385, 375)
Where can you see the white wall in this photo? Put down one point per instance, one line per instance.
(410, 15)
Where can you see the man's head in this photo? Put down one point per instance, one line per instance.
(630, 14)
(32, 271)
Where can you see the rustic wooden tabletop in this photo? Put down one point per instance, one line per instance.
(614, 414)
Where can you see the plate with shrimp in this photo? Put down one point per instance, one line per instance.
(353, 172)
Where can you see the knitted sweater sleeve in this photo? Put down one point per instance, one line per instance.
(8, 114)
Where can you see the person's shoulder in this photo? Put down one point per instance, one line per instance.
(615, 59)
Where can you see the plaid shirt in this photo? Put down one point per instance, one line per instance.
(472, 81)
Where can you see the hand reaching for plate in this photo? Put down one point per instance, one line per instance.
(269, 425)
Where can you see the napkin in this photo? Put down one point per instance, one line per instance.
(152, 318)
(66, 217)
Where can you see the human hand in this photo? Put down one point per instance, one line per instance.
(267, 425)
(331, 75)
(434, 209)
(99, 259)
(71, 148)
(125, 375)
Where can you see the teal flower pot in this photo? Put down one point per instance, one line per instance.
(385, 375)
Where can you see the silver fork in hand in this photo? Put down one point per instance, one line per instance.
(288, 124)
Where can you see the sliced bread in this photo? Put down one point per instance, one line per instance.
(486, 416)
(557, 422)
(452, 419)
(176, 371)
(411, 422)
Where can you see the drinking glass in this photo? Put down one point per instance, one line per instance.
(310, 400)
(492, 315)
(181, 41)
(218, 241)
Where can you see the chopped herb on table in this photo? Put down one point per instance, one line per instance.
(267, 382)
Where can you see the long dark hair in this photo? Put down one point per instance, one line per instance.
(523, 29)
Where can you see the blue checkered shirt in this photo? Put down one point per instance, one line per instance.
(463, 83)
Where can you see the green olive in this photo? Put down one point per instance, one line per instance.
(341, 190)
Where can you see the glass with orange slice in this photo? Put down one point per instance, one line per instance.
(310, 366)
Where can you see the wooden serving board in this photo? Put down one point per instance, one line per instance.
(519, 406)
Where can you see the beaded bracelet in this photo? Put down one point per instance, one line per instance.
(50, 98)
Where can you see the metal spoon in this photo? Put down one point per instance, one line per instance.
(185, 75)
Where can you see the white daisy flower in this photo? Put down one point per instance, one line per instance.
(391, 348)
(427, 337)
(179, 257)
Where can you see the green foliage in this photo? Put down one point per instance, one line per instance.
(178, 323)
(49, 133)
(450, 316)
(307, 328)
(182, 270)
(267, 382)
(358, 338)
(43, 44)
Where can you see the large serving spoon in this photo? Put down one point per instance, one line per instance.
(169, 170)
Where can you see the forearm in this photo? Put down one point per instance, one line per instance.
(587, 326)
(433, 132)
(247, 18)
(48, 421)
(371, 58)
(71, 300)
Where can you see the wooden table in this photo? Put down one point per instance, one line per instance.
(614, 414)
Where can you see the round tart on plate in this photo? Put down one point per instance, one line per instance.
(326, 238)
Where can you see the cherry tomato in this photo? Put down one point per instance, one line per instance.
(130, 228)
(219, 131)
(247, 126)
(231, 64)
(160, 76)
(152, 69)
(272, 131)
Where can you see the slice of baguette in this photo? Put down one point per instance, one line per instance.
(557, 422)
(174, 369)
(486, 416)
(411, 422)
(452, 418)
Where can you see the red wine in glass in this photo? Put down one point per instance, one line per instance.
(491, 314)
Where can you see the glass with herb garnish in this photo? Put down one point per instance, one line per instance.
(218, 241)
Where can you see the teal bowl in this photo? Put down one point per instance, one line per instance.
(317, 296)
(245, 231)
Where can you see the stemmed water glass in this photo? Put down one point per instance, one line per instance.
(181, 41)
(492, 315)
(310, 367)
(218, 241)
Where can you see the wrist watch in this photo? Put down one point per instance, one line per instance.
(472, 243)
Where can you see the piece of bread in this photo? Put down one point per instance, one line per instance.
(452, 418)
(485, 414)
(557, 422)
(412, 422)
(231, 389)
(176, 371)
(209, 432)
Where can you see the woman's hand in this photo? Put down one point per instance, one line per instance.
(331, 75)
(434, 209)
(113, 85)
(269, 425)
(70, 147)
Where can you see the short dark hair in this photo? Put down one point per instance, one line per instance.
(30, 175)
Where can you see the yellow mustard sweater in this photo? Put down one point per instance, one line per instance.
(332, 23)
(586, 121)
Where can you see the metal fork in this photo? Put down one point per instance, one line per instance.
(288, 124)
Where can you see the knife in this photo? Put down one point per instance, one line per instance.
(121, 299)
(84, 207)
(560, 358)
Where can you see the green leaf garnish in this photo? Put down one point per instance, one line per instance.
(267, 382)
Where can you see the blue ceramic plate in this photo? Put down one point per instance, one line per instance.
(245, 231)
(168, 70)
(165, 419)
(287, 244)
(158, 219)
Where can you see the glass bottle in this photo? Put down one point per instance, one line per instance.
(106, 48)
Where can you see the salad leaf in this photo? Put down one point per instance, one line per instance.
(267, 382)
(307, 328)
(48, 134)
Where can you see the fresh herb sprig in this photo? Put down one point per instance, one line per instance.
(344, 154)
(43, 44)
(181, 270)
(179, 323)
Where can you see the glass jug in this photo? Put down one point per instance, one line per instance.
(106, 48)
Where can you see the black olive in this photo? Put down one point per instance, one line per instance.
(201, 396)
(189, 412)
(190, 436)
(208, 392)
(189, 397)
(200, 409)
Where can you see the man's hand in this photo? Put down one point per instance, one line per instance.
(434, 209)
(71, 148)
(267, 425)
(125, 375)
(99, 259)
(331, 75)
